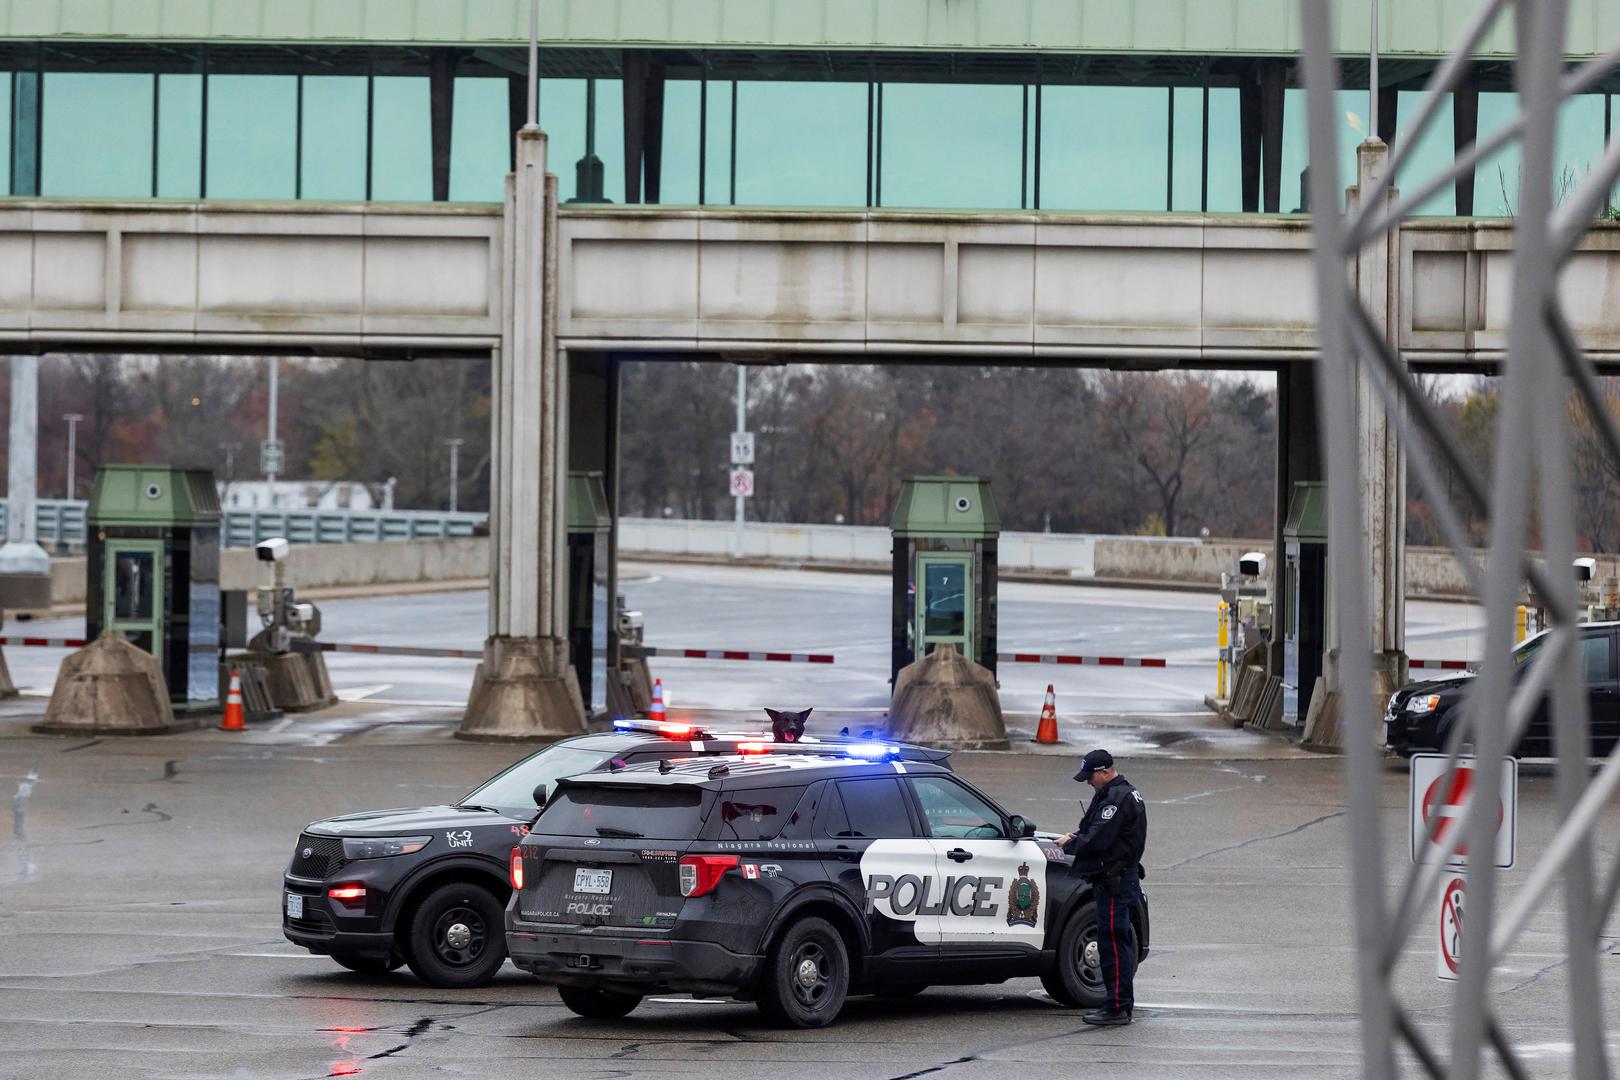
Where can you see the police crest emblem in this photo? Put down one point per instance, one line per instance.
(1023, 899)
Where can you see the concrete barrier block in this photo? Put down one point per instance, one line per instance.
(110, 687)
(947, 700)
(524, 690)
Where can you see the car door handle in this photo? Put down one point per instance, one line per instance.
(958, 855)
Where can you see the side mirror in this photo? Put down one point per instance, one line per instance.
(1021, 829)
(539, 796)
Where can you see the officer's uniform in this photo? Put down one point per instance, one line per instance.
(1107, 850)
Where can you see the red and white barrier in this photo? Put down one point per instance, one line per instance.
(385, 650)
(1443, 665)
(1098, 661)
(727, 654)
(45, 642)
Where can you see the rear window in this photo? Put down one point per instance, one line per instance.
(759, 814)
(662, 813)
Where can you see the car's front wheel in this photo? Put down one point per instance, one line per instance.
(806, 975)
(1077, 980)
(455, 938)
(594, 1004)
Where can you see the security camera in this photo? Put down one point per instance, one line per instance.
(1585, 569)
(272, 550)
(963, 504)
(303, 612)
(1252, 563)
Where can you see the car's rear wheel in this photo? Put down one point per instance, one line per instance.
(806, 975)
(1077, 980)
(595, 1004)
(369, 965)
(455, 938)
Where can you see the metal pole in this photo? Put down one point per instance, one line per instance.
(270, 476)
(72, 423)
(534, 64)
(1372, 75)
(742, 426)
(455, 471)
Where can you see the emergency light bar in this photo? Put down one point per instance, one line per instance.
(871, 750)
(669, 731)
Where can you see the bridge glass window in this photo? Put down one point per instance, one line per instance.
(96, 136)
(564, 106)
(401, 140)
(1296, 151)
(334, 137)
(1430, 155)
(480, 144)
(1579, 146)
(797, 144)
(1225, 164)
(252, 136)
(952, 146)
(5, 130)
(179, 136)
(1187, 148)
(678, 182)
(1103, 147)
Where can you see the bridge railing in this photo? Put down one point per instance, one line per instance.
(63, 521)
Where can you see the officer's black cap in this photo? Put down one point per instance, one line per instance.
(1097, 759)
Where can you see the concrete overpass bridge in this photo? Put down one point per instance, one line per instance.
(556, 296)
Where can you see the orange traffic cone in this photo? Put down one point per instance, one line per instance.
(1047, 731)
(655, 711)
(234, 720)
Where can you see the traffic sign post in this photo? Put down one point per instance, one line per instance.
(1440, 798)
(271, 456)
(1453, 887)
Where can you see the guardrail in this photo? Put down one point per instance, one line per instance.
(63, 521)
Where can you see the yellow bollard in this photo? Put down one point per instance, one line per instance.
(1221, 642)
(1521, 619)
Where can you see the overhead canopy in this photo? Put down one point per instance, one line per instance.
(1307, 513)
(154, 495)
(946, 506)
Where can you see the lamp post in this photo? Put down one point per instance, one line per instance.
(72, 423)
(455, 470)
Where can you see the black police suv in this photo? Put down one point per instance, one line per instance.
(792, 881)
(1420, 716)
(425, 885)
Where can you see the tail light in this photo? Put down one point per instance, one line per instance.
(701, 873)
(517, 868)
(349, 894)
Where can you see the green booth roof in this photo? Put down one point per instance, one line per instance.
(587, 503)
(946, 506)
(1307, 513)
(153, 495)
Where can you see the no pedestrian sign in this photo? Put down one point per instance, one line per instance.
(742, 482)
(1453, 888)
(1439, 801)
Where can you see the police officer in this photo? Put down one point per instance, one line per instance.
(1107, 850)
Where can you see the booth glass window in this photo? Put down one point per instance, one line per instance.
(132, 585)
(945, 593)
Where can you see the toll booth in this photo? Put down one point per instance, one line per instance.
(589, 525)
(152, 572)
(945, 530)
(1303, 598)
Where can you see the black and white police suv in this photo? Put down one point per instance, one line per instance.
(792, 881)
(425, 885)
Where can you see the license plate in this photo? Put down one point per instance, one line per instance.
(295, 905)
(593, 881)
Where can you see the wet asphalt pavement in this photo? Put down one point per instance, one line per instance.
(140, 927)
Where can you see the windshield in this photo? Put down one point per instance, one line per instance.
(1525, 652)
(514, 788)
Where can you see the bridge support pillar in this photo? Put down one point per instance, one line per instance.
(525, 687)
(1383, 480)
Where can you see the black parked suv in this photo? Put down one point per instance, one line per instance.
(792, 881)
(425, 885)
(1420, 716)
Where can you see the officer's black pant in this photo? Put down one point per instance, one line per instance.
(1116, 940)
